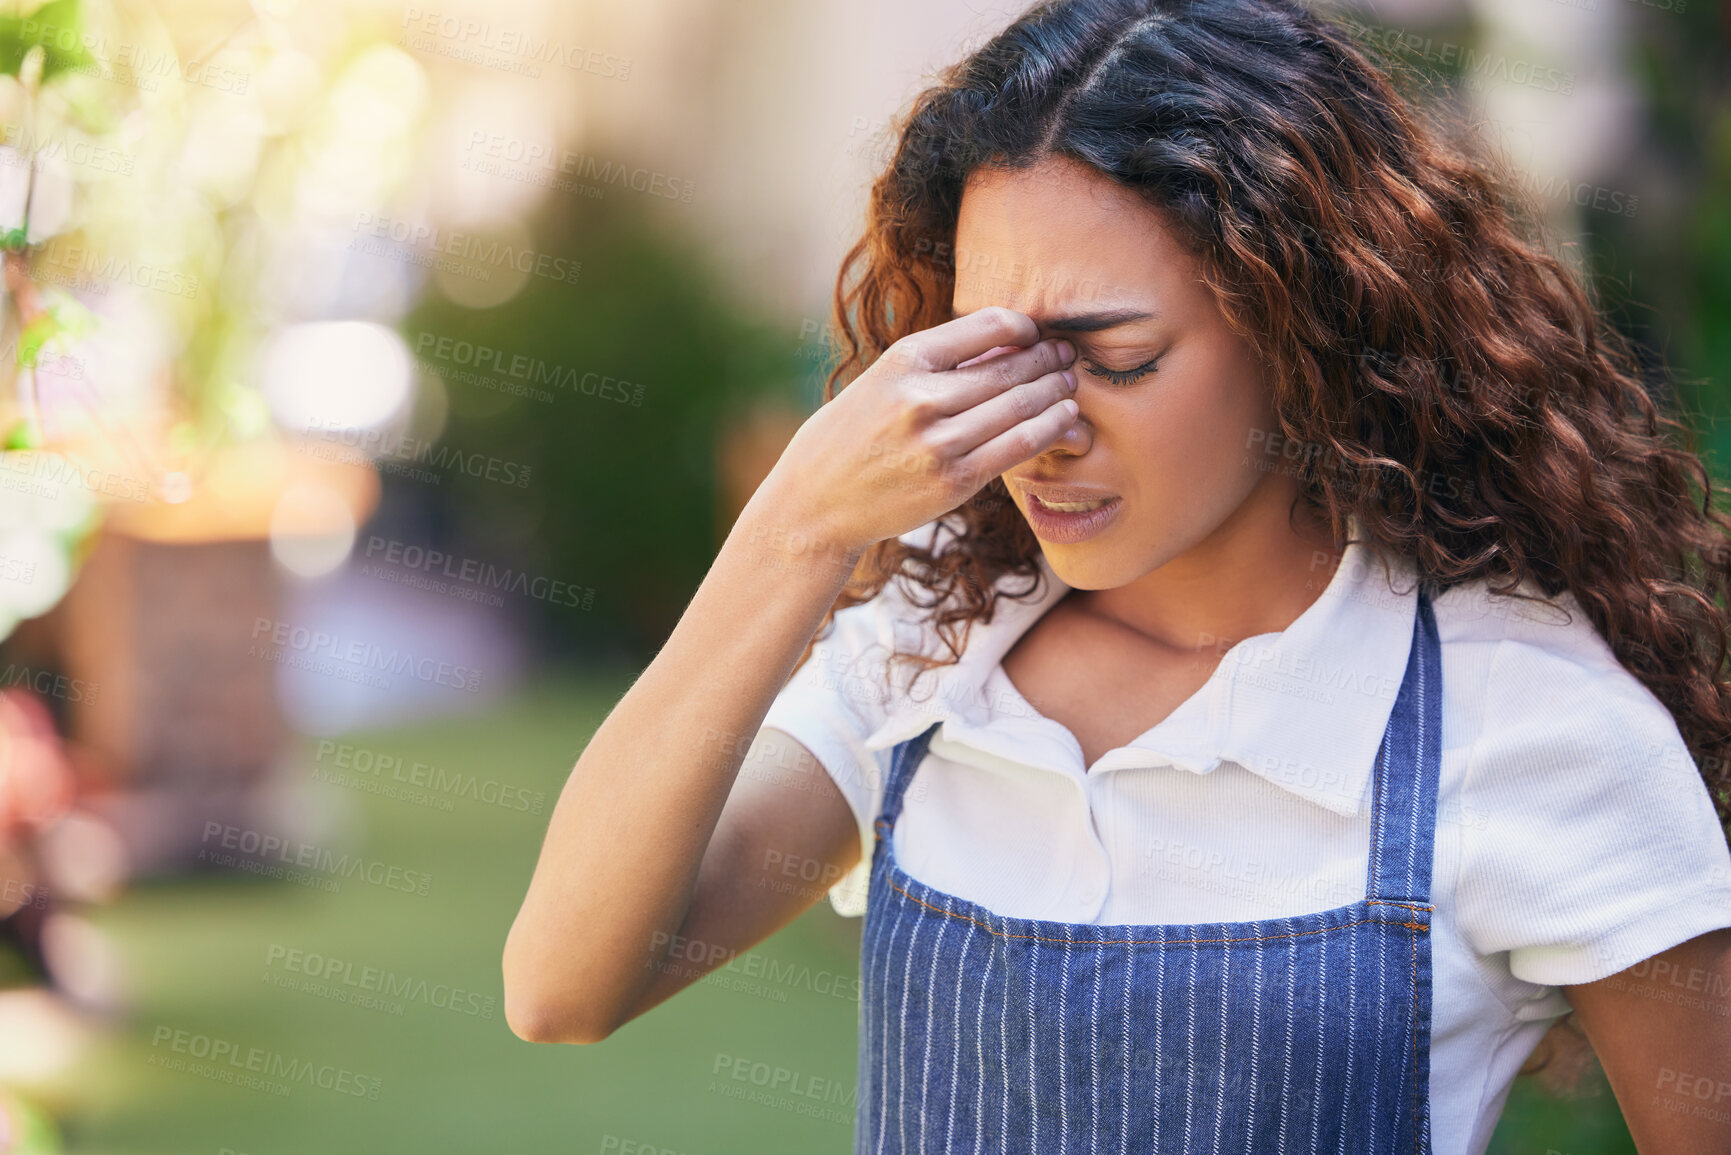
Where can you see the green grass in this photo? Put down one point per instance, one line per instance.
(197, 953)
(198, 958)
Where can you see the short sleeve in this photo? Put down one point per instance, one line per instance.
(1599, 845)
(840, 697)
(830, 706)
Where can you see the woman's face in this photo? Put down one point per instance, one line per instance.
(1175, 412)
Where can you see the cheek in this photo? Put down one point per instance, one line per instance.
(1205, 427)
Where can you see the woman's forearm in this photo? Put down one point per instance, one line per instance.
(913, 437)
(628, 834)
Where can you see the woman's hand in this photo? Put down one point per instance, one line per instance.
(936, 417)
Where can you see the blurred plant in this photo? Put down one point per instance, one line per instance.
(172, 194)
(25, 1129)
(1676, 261)
(624, 498)
(38, 538)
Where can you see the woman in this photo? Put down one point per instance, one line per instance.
(1324, 631)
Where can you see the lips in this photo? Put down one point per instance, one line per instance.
(1069, 514)
(1066, 498)
(1068, 506)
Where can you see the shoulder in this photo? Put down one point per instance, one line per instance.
(899, 618)
(1594, 842)
(1537, 672)
(849, 672)
(844, 693)
(891, 620)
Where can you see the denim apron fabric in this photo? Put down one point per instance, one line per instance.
(985, 1033)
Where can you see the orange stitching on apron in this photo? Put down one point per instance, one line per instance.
(1134, 941)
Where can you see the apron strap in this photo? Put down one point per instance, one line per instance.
(1407, 769)
(904, 760)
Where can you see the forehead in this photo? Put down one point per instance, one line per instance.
(1060, 235)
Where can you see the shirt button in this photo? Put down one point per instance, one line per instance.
(1089, 894)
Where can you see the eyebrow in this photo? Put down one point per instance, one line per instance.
(1086, 322)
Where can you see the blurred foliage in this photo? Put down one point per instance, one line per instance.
(1535, 1122)
(1677, 262)
(623, 498)
(1663, 270)
(54, 27)
(161, 215)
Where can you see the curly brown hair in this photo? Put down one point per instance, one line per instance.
(1453, 386)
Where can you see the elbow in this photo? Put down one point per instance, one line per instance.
(539, 1020)
(537, 1013)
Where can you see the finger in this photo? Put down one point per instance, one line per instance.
(964, 389)
(972, 428)
(988, 355)
(947, 345)
(1017, 444)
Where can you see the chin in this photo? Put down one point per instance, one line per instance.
(1087, 567)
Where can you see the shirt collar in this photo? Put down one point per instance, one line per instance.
(1304, 708)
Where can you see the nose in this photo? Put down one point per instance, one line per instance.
(1077, 439)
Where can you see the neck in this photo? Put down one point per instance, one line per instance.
(1255, 574)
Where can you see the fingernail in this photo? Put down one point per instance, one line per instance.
(1070, 380)
(1066, 351)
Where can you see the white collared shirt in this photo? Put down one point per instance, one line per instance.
(1575, 836)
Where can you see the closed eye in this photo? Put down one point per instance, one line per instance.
(1121, 376)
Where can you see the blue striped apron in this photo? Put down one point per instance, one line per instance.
(985, 1033)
